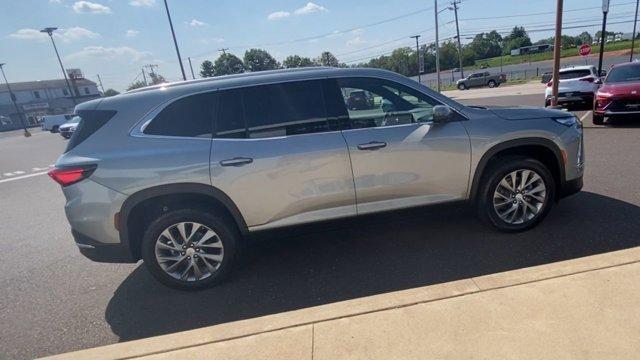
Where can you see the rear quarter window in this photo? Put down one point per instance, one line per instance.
(89, 121)
(191, 116)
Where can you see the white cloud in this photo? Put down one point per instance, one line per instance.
(148, 3)
(132, 33)
(358, 40)
(55, 1)
(357, 31)
(88, 7)
(310, 8)
(66, 35)
(196, 23)
(214, 40)
(109, 53)
(278, 15)
(334, 34)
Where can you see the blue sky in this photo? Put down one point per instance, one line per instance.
(114, 38)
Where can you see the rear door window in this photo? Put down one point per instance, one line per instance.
(191, 116)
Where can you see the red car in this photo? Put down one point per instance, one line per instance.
(619, 94)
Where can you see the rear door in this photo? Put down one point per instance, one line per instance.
(400, 158)
(276, 155)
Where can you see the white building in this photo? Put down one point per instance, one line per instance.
(38, 98)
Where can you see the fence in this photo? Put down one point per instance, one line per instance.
(448, 79)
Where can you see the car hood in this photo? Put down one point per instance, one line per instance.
(621, 88)
(526, 113)
(68, 126)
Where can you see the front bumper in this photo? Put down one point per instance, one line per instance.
(570, 187)
(101, 252)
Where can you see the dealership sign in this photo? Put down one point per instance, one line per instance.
(36, 106)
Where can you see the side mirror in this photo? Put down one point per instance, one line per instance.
(442, 114)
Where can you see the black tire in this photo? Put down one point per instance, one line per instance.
(54, 129)
(462, 87)
(491, 84)
(494, 174)
(225, 229)
(598, 119)
(547, 103)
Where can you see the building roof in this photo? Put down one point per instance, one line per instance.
(43, 84)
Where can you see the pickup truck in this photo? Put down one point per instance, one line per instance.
(481, 79)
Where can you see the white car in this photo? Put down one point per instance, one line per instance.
(577, 85)
(67, 129)
(52, 122)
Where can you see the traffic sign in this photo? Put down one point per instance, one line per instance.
(605, 6)
(585, 50)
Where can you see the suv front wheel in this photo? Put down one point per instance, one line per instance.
(516, 194)
(190, 249)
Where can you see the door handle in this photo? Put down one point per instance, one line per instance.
(236, 161)
(374, 145)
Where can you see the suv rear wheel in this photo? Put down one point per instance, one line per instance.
(491, 83)
(190, 249)
(516, 194)
(462, 86)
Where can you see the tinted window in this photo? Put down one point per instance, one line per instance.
(624, 73)
(230, 118)
(284, 109)
(574, 74)
(191, 116)
(89, 122)
(375, 103)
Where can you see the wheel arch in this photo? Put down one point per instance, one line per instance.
(541, 149)
(145, 205)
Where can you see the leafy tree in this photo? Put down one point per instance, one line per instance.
(584, 38)
(328, 59)
(206, 69)
(296, 61)
(259, 60)
(110, 92)
(136, 85)
(227, 64)
(157, 79)
(516, 39)
(607, 34)
(486, 45)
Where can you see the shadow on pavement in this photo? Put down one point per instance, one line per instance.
(378, 254)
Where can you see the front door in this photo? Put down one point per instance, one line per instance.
(399, 157)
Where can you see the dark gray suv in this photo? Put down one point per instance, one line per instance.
(178, 174)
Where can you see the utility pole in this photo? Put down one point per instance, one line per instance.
(144, 77)
(151, 73)
(435, 10)
(633, 38)
(603, 34)
(175, 42)
(13, 100)
(417, 53)
(100, 82)
(191, 67)
(49, 31)
(557, 46)
(455, 10)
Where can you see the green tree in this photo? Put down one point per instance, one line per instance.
(136, 85)
(584, 38)
(328, 59)
(157, 79)
(227, 64)
(110, 92)
(516, 39)
(259, 60)
(206, 69)
(486, 45)
(296, 61)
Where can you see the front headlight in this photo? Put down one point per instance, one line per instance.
(568, 121)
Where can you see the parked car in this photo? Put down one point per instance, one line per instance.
(619, 93)
(67, 129)
(546, 77)
(180, 175)
(576, 86)
(481, 79)
(52, 122)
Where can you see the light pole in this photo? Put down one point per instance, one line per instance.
(633, 37)
(13, 100)
(435, 10)
(49, 31)
(603, 33)
(556, 54)
(455, 10)
(175, 42)
(417, 53)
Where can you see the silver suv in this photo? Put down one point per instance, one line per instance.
(179, 174)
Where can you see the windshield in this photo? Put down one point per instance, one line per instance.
(624, 73)
(574, 74)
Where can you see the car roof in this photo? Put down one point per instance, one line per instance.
(626, 64)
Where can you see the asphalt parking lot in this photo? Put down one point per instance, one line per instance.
(54, 300)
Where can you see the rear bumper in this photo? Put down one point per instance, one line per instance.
(576, 97)
(101, 252)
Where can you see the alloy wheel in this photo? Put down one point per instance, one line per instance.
(189, 251)
(520, 196)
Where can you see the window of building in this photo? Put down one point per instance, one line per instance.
(86, 91)
(36, 94)
(191, 116)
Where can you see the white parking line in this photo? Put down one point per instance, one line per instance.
(22, 177)
(585, 115)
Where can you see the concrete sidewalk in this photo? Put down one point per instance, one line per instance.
(530, 88)
(586, 308)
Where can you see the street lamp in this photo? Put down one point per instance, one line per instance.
(49, 31)
(13, 100)
(175, 42)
